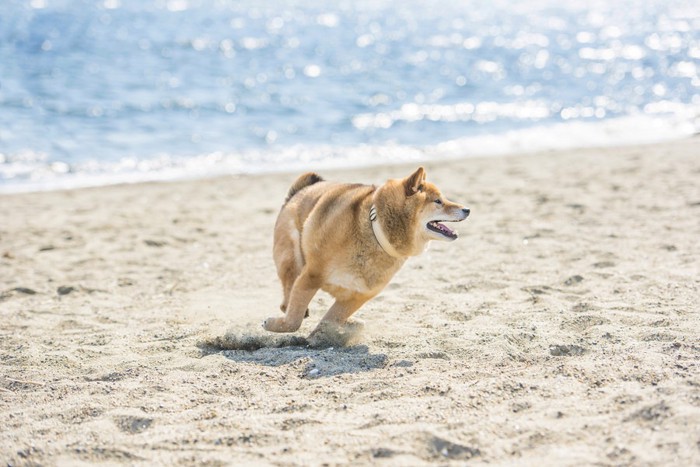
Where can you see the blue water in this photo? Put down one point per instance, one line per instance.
(112, 90)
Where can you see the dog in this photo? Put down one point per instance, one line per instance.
(350, 239)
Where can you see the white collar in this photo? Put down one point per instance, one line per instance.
(380, 235)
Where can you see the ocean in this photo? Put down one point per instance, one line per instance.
(110, 91)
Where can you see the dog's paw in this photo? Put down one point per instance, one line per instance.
(271, 324)
(354, 325)
(278, 325)
(281, 324)
(329, 334)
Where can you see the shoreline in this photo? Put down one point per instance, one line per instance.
(560, 328)
(613, 133)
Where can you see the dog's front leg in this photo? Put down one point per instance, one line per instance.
(304, 289)
(341, 310)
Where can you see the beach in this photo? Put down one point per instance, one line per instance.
(561, 328)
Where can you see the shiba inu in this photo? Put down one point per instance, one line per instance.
(350, 239)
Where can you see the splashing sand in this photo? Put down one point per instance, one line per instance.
(325, 336)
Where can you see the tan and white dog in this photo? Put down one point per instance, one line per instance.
(350, 239)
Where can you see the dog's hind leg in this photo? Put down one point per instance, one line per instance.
(288, 273)
(288, 257)
(304, 289)
(288, 270)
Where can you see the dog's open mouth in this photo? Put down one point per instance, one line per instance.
(442, 229)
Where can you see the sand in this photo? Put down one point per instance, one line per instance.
(561, 328)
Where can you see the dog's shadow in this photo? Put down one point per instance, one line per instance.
(325, 355)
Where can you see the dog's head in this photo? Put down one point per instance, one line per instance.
(413, 211)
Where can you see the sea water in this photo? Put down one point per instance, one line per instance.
(96, 92)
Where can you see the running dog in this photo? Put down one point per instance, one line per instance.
(350, 239)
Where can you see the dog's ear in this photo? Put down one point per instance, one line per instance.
(414, 182)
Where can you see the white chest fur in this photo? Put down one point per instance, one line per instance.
(348, 281)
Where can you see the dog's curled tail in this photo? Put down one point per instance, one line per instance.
(302, 182)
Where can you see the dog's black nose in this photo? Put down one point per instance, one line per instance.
(465, 211)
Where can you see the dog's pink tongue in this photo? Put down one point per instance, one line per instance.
(445, 229)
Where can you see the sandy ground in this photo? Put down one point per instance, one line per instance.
(562, 328)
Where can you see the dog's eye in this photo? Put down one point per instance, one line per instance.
(438, 201)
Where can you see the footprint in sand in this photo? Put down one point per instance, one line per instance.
(133, 425)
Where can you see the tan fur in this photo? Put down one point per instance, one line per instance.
(302, 182)
(324, 240)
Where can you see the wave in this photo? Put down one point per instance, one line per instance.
(33, 171)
